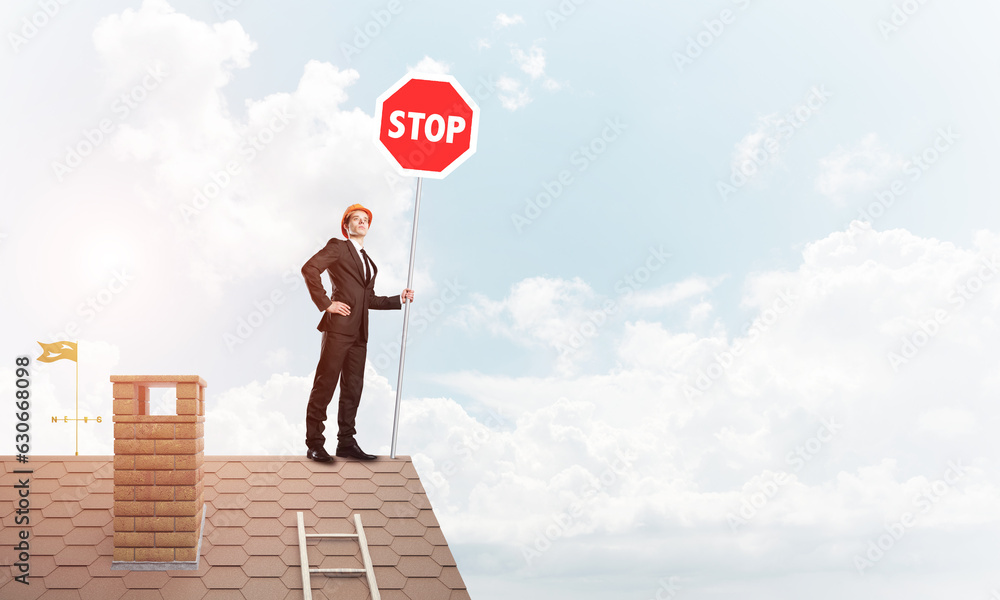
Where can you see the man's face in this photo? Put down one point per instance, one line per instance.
(357, 223)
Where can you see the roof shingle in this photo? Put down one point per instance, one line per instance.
(249, 548)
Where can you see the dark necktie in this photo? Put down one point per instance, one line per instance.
(368, 271)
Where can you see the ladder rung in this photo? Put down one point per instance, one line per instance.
(331, 535)
(340, 571)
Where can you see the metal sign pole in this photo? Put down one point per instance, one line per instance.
(406, 320)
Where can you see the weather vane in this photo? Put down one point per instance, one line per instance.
(67, 350)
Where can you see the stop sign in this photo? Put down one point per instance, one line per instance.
(427, 125)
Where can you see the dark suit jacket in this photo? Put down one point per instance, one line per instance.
(343, 264)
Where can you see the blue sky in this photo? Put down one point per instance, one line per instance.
(680, 338)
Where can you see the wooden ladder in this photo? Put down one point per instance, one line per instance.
(365, 557)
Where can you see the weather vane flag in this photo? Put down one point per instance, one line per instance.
(57, 351)
(66, 351)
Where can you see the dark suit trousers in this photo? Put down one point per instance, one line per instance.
(340, 358)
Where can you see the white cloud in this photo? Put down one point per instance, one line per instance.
(242, 192)
(430, 66)
(551, 85)
(531, 62)
(502, 20)
(127, 42)
(567, 316)
(259, 418)
(760, 147)
(215, 195)
(699, 313)
(512, 93)
(277, 359)
(538, 312)
(807, 377)
(847, 173)
(515, 94)
(673, 293)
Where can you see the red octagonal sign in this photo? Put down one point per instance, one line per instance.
(427, 125)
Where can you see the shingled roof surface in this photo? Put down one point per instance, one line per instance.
(250, 543)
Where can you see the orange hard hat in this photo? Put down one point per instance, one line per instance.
(347, 213)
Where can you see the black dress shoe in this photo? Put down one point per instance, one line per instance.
(352, 450)
(320, 455)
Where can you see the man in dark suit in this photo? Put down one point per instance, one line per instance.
(345, 331)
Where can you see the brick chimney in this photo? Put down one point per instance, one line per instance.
(159, 474)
